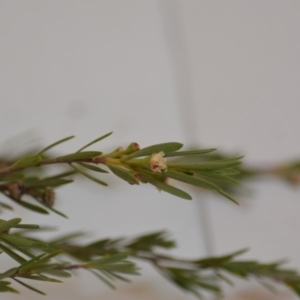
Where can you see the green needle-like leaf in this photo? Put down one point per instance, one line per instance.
(61, 175)
(6, 206)
(103, 279)
(78, 156)
(4, 287)
(27, 205)
(89, 176)
(228, 196)
(23, 242)
(6, 225)
(187, 153)
(12, 177)
(25, 251)
(8, 273)
(228, 172)
(29, 287)
(165, 187)
(192, 180)
(26, 162)
(95, 141)
(27, 226)
(32, 207)
(215, 175)
(40, 278)
(37, 261)
(164, 147)
(92, 167)
(207, 165)
(12, 254)
(125, 174)
(55, 144)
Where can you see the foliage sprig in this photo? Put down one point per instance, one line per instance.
(111, 259)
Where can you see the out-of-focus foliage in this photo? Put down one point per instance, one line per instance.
(109, 259)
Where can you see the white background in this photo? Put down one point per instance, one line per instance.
(219, 74)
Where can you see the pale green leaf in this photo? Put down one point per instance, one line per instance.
(125, 174)
(26, 162)
(78, 156)
(55, 144)
(187, 153)
(164, 147)
(6, 225)
(95, 141)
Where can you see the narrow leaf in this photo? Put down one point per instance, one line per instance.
(4, 287)
(207, 165)
(12, 177)
(28, 286)
(40, 278)
(23, 242)
(228, 197)
(36, 260)
(3, 205)
(5, 225)
(215, 175)
(55, 144)
(167, 188)
(25, 251)
(192, 180)
(103, 279)
(78, 156)
(229, 172)
(64, 174)
(95, 141)
(164, 147)
(108, 260)
(26, 162)
(89, 176)
(92, 167)
(194, 152)
(57, 212)
(8, 273)
(12, 254)
(32, 207)
(27, 226)
(127, 175)
(58, 273)
(27, 205)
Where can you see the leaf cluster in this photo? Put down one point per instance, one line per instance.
(132, 164)
(109, 259)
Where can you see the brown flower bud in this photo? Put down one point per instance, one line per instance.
(15, 190)
(49, 197)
